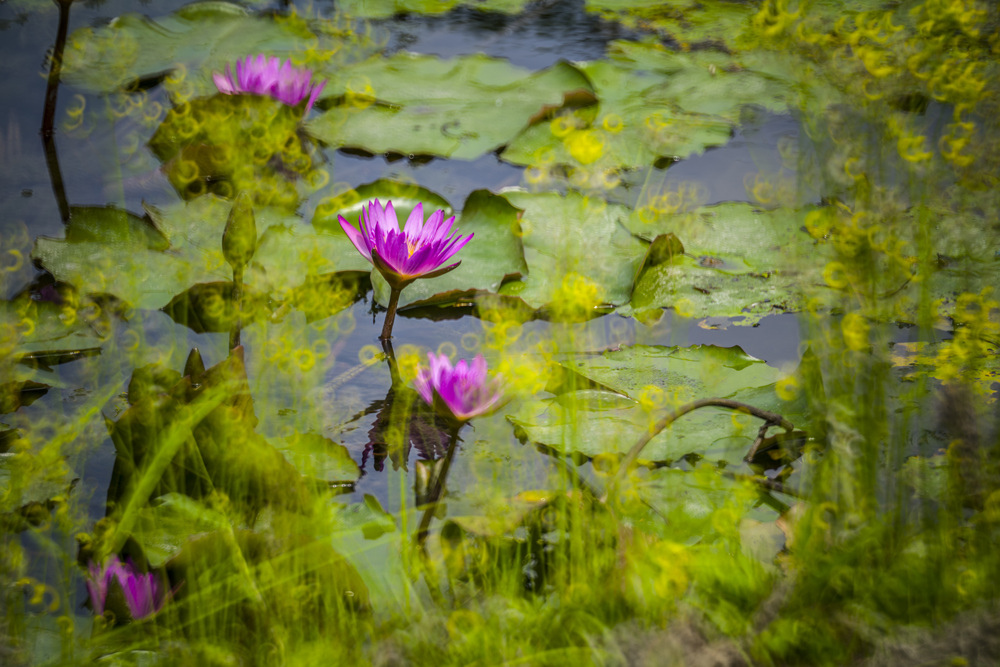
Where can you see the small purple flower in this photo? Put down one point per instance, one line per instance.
(268, 76)
(403, 256)
(140, 590)
(463, 391)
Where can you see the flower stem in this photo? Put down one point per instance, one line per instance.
(438, 488)
(237, 325)
(390, 314)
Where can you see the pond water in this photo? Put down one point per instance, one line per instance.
(669, 207)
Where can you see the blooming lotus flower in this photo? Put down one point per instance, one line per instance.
(463, 391)
(418, 251)
(403, 256)
(140, 590)
(268, 76)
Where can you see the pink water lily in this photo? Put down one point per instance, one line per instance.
(403, 256)
(462, 391)
(268, 76)
(141, 591)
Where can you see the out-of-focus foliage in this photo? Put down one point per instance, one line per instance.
(228, 467)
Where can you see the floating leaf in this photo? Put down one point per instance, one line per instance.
(574, 235)
(652, 104)
(739, 262)
(457, 108)
(202, 35)
(700, 371)
(138, 272)
(319, 458)
(590, 422)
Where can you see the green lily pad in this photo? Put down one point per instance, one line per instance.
(30, 327)
(572, 235)
(112, 225)
(633, 386)
(493, 254)
(286, 254)
(136, 270)
(692, 372)
(201, 36)
(459, 108)
(739, 262)
(383, 9)
(319, 458)
(652, 104)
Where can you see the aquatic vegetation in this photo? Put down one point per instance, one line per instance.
(194, 388)
(462, 391)
(271, 77)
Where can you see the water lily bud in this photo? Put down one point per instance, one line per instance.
(239, 240)
(194, 367)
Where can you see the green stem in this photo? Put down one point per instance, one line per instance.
(390, 314)
(49, 112)
(234, 331)
(633, 454)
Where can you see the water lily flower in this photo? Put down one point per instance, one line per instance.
(268, 76)
(462, 391)
(418, 251)
(140, 590)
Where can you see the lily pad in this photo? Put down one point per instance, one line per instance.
(694, 372)
(739, 262)
(574, 235)
(202, 35)
(319, 458)
(136, 270)
(633, 384)
(652, 104)
(424, 105)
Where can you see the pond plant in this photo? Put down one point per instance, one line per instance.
(696, 359)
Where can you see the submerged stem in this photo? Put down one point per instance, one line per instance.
(390, 314)
(438, 488)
